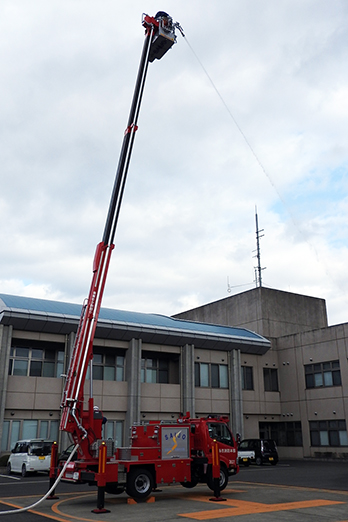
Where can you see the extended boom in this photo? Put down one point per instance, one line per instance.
(85, 424)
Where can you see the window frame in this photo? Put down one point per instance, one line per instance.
(270, 379)
(247, 377)
(211, 375)
(323, 374)
(326, 433)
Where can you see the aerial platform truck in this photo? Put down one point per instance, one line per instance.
(159, 453)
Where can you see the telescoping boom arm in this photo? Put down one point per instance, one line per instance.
(85, 424)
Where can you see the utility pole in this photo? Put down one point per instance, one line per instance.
(258, 269)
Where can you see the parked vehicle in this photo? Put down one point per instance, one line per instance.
(257, 451)
(161, 453)
(30, 456)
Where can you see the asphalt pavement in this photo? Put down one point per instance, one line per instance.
(293, 491)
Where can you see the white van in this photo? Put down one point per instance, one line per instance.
(29, 456)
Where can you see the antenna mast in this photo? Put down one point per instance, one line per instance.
(258, 269)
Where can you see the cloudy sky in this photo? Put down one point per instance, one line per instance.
(250, 109)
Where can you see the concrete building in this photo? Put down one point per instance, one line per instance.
(145, 366)
(297, 392)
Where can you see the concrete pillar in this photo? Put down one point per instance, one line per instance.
(236, 402)
(187, 379)
(5, 347)
(63, 437)
(133, 377)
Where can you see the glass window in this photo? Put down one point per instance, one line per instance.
(204, 375)
(48, 369)
(215, 376)
(36, 362)
(323, 374)
(97, 358)
(109, 373)
(283, 433)
(15, 427)
(36, 354)
(22, 352)
(97, 373)
(328, 433)
(43, 430)
(223, 371)
(154, 370)
(114, 431)
(29, 429)
(35, 369)
(54, 430)
(270, 376)
(20, 367)
(247, 378)
(324, 438)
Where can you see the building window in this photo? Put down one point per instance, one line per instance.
(283, 433)
(154, 370)
(323, 374)
(328, 433)
(114, 430)
(27, 429)
(211, 375)
(34, 362)
(247, 378)
(107, 367)
(270, 378)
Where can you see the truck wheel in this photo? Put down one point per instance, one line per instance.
(258, 461)
(139, 483)
(223, 479)
(189, 485)
(24, 471)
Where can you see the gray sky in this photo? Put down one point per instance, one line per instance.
(198, 170)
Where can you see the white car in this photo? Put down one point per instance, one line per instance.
(30, 456)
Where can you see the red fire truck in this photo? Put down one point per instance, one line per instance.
(159, 453)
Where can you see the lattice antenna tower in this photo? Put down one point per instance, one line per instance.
(258, 268)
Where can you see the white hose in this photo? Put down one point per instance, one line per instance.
(48, 492)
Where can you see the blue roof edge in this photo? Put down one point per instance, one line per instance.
(31, 305)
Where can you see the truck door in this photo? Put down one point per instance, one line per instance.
(227, 451)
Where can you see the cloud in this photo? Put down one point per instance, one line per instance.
(198, 168)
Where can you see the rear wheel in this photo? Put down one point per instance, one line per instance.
(8, 468)
(24, 471)
(258, 461)
(139, 483)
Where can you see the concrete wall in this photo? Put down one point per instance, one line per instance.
(271, 313)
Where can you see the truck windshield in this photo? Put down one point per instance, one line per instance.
(220, 432)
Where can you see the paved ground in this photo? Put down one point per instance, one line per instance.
(289, 492)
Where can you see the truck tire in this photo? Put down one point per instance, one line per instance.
(258, 461)
(139, 483)
(24, 471)
(189, 485)
(223, 478)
